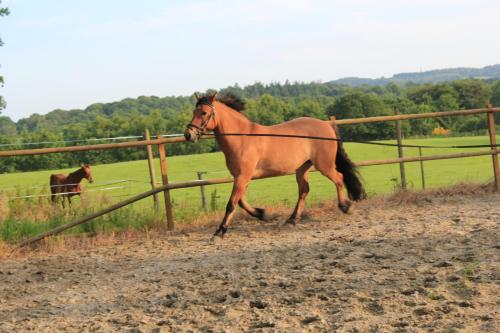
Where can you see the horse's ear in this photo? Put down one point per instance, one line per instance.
(82, 165)
(196, 96)
(213, 97)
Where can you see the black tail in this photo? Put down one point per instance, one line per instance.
(351, 175)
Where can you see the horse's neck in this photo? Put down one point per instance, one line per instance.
(75, 177)
(229, 121)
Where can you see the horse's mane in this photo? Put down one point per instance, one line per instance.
(78, 172)
(229, 99)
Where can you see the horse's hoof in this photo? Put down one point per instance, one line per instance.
(291, 221)
(220, 232)
(344, 207)
(261, 214)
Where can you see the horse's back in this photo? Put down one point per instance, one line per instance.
(305, 126)
(280, 155)
(55, 181)
(57, 178)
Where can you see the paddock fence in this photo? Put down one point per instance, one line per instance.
(166, 186)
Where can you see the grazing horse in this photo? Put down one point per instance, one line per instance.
(68, 186)
(257, 156)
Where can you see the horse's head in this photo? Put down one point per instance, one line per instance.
(203, 118)
(87, 173)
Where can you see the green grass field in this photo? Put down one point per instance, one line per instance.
(266, 192)
(378, 179)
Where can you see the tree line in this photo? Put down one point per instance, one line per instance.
(266, 104)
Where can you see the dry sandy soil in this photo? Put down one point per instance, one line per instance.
(427, 264)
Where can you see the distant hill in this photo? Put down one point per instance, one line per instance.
(433, 76)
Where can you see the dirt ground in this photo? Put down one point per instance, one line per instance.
(429, 264)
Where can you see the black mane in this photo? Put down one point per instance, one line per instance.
(234, 102)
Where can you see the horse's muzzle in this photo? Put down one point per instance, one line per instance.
(191, 135)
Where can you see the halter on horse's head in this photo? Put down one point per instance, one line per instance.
(203, 118)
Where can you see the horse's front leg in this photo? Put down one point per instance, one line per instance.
(259, 213)
(53, 196)
(239, 187)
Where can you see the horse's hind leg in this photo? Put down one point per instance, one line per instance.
(338, 179)
(255, 212)
(302, 175)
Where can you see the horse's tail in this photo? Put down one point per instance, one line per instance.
(346, 167)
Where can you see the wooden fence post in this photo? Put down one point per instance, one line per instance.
(152, 174)
(493, 142)
(422, 174)
(202, 189)
(400, 153)
(164, 178)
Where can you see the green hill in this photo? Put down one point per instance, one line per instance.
(432, 76)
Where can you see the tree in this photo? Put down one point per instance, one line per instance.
(495, 99)
(4, 11)
(267, 110)
(7, 126)
(361, 105)
(308, 107)
(266, 104)
(495, 94)
(393, 88)
(472, 93)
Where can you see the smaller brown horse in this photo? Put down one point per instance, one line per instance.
(68, 186)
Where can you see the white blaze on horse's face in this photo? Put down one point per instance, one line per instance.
(203, 120)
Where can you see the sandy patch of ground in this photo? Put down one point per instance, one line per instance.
(431, 266)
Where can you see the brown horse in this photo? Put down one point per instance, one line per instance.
(68, 186)
(263, 156)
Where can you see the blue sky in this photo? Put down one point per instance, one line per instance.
(69, 54)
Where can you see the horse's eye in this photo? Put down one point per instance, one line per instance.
(203, 113)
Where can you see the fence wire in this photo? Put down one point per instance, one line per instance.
(65, 193)
(95, 184)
